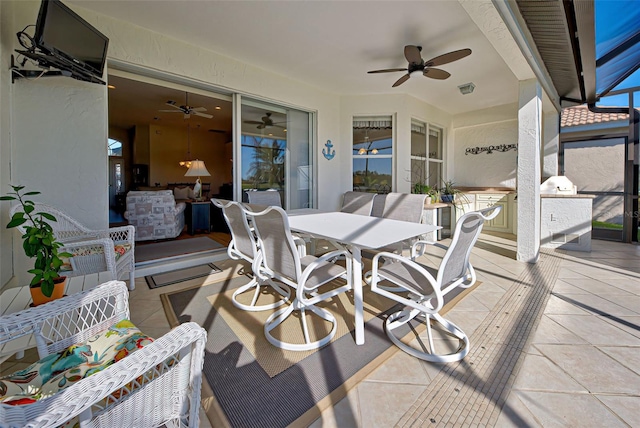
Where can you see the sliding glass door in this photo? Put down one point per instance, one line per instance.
(275, 152)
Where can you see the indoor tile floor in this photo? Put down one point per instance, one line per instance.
(552, 344)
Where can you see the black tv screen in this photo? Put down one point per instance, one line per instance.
(63, 33)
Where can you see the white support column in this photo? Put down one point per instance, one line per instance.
(528, 174)
(551, 136)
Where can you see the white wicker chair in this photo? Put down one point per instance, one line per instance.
(426, 290)
(94, 250)
(158, 384)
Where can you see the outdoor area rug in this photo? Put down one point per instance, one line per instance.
(251, 383)
(169, 249)
(181, 275)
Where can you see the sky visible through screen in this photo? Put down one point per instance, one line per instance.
(613, 17)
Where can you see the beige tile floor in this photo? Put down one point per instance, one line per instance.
(580, 368)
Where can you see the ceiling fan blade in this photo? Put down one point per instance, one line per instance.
(401, 80)
(412, 54)
(253, 122)
(387, 70)
(171, 111)
(197, 113)
(198, 109)
(448, 57)
(173, 104)
(436, 73)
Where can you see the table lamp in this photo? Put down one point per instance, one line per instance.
(197, 169)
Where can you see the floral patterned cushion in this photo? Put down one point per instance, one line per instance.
(55, 372)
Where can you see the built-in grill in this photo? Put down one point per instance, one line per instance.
(565, 215)
(558, 185)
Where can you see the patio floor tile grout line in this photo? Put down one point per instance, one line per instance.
(477, 386)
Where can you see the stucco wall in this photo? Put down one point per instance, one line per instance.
(488, 127)
(6, 236)
(598, 165)
(133, 47)
(403, 108)
(56, 139)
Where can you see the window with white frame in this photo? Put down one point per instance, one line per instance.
(426, 156)
(373, 154)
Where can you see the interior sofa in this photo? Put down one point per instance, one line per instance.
(155, 215)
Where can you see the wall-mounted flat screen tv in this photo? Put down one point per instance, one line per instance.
(63, 33)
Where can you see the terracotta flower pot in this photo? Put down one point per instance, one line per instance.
(38, 297)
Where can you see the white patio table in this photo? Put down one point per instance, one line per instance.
(19, 298)
(356, 232)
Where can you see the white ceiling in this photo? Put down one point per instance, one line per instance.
(332, 44)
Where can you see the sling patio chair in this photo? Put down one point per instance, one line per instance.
(426, 289)
(397, 206)
(243, 246)
(92, 250)
(357, 203)
(282, 262)
(264, 197)
(97, 369)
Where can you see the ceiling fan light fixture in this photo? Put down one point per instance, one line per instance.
(467, 88)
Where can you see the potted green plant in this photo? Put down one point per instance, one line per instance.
(40, 243)
(448, 192)
(425, 189)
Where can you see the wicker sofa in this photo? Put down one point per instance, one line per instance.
(155, 215)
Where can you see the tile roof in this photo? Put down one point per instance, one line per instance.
(580, 115)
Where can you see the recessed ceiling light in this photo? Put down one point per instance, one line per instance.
(111, 87)
(285, 130)
(270, 135)
(218, 108)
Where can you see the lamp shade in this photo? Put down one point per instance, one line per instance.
(197, 169)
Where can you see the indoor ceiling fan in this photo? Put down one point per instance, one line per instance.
(186, 109)
(266, 122)
(416, 63)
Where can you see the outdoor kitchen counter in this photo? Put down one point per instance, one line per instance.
(580, 195)
(481, 190)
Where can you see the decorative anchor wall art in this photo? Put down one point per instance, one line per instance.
(328, 153)
(491, 149)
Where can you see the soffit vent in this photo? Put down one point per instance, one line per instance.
(551, 30)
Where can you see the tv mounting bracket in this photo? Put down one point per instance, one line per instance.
(19, 73)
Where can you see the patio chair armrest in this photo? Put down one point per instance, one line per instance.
(92, 256)
(121, 234)
(69, 320)
(415, 252)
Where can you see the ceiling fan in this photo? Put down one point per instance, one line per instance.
(186, 109)
(266, 122)
(416, 63)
